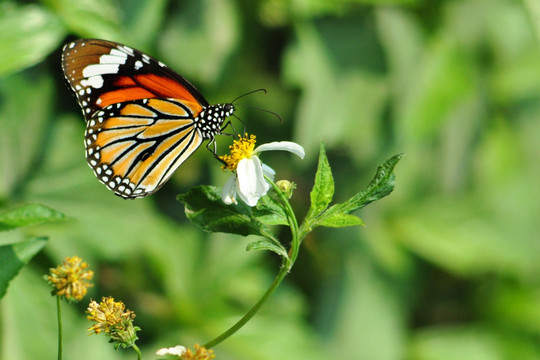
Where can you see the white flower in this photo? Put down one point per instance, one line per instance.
(248, 181)
(172, 352)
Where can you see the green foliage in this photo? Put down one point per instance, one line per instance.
(446, 267)
(27, 215)
(204, 207)
(339, 215)
(13, 256)
(323, 188)
(24, 46)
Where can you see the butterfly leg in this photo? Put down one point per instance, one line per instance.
(235, 133)
(214, 150)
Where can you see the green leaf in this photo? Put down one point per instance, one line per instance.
(204, 207)
(381, 185)
(29, 34)
(338, 215)
(89, 18)
(31, 214)
(323, 189)
(266, 244)
(194, 26)
(345, 74)
(143, 20)
(339, 219)
(270, 212)
(14, 257)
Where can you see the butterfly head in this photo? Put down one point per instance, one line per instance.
(211, 118)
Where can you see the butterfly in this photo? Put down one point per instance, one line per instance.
(143, 120)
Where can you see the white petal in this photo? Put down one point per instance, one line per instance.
(178, 350)
(284, 146)
(228, 194)
(268, 171)
(251, 183)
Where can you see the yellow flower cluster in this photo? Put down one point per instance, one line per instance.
(240, 149)
(114, 319)
(71, 279)
(201, 353)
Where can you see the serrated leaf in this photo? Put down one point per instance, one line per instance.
(265, 244)
(13, 257)
(26, 215)
(338, 215)
(381, 185)
(204, 207)
(339, 219)
(323, 189)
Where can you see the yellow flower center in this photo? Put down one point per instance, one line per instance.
(242, 148)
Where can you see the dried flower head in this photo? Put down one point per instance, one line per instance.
(200, 353)
(71, 279)
(114, 319)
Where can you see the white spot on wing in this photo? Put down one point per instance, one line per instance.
(95, 81)
(112, 59)
(100, 69)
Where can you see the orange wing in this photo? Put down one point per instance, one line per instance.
(143, 119)
(101, 73)
(135, 146)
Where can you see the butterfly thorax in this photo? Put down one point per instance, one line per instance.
(210, 119)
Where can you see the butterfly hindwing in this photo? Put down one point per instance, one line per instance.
(135, 146)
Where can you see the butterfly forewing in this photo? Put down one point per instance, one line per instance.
(101, 73)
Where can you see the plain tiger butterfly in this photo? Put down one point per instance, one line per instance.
(143, 120)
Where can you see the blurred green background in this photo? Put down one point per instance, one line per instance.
(447, 267)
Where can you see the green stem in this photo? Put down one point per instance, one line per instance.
(59, 318)
(137, 350)
(286, 265)
(291, 218)
(240, 323)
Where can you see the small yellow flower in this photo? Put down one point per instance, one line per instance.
(71, 279)
(114, 319)
(240, 149)
(180, 352)
(201, 353)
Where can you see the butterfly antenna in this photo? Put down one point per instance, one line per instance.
(262, 109)
(256, 107)
(249, 93)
